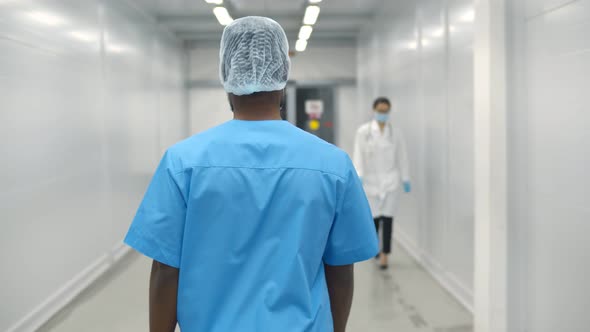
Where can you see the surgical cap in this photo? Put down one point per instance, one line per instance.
(254, 56)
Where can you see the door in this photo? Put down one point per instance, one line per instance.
(315, 111)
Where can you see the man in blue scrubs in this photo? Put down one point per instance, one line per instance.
(253, 226)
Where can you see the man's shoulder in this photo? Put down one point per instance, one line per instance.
(292, 147)
(321, 155)
(304, 139)
(185, 150)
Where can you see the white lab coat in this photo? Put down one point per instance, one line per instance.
(381, 161)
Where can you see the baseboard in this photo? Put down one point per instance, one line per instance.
(447, 280)
(120, 251)
(62, 297)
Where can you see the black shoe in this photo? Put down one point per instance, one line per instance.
(383, 267)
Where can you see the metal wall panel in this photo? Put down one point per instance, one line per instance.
(420, 54)
(91, 92)
(554, 122)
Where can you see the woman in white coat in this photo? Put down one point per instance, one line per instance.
(382, 163)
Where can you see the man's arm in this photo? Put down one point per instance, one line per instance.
(163, 295)
(340, 280)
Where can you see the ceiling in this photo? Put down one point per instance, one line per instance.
(193, 20)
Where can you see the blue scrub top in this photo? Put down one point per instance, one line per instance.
(249, 212)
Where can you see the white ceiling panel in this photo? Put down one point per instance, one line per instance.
(351, 6)
(268, 6)
(175, 7)
(194, 19)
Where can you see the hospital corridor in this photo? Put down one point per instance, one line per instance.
(294, 165)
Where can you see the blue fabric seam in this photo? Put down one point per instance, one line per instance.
(262, 168)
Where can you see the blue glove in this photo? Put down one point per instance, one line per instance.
(407, 187)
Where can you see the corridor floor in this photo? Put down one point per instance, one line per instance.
(403, 299)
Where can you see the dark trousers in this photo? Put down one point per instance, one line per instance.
(387, 232)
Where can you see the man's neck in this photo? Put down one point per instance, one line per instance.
(258, 114)
(259, 106)
(381, 126)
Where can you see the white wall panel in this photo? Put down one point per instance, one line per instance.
(541, 7)
(87, 107)
(204, 63)
(348, 117)
(433, 75)
(316, 63)
(556, 65)
(420, 54)
(324, 63)
(461, 144)
(209, 108)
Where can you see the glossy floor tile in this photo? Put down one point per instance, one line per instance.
(402, 299)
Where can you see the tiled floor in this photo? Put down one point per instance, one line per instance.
(402, 299)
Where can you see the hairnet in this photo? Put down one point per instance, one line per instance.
(254, 56)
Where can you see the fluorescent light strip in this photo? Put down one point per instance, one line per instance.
(84, 36)
(222, 15)
(305, 32)
(301, 45)
(311, 15)
(469, 16)
(118, 48)
(215, 2)
(46, 18)
(315, 1)
(438, 33)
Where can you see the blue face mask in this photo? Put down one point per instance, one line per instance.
(382, 117)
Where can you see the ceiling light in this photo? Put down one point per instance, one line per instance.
(315, 1)
(46, 18)
(425, 42)
(84, 36)
(468, 16)
(215, 2)
(438, 33)
(412, 45)
(222, 15)
(452, 28)
(311, 15)
(117, 48)
(301, 45)
(305, 32)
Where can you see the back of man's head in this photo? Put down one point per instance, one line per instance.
(254, 56)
